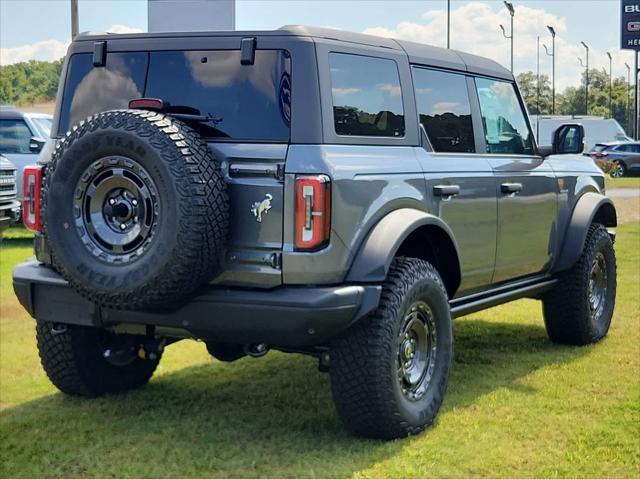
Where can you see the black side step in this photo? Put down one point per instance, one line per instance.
(476, 302)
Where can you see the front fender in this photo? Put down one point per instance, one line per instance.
(589, 208)
(374, 257)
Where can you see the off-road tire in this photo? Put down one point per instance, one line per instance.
(72, 357)
(366, 390)
(192, 224)
(567, 313)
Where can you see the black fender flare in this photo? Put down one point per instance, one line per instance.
(373, 259)
(589, 208)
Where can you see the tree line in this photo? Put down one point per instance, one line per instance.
(37, 81)
(572, 102)
(29, 82)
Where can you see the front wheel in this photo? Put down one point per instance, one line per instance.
(580, 307)
(390, 371)
(90, 362)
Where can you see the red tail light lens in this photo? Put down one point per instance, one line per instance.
(31, 188)
(146, 104)
(313, 212)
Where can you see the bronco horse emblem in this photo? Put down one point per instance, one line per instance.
(261, 207)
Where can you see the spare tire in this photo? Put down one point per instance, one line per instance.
(135, 210)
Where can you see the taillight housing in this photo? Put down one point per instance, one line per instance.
(313, 212)
(31, 190)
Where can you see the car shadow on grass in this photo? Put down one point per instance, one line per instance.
(268, 417)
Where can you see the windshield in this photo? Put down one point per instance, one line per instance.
(246, 102)
(43, 125)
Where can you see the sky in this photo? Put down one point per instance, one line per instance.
(40, 29)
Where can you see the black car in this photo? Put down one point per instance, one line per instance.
(626, 156)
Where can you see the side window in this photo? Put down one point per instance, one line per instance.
(367, 99)
(444, 109)
(14, 136)
(635, 148)
(504, 122)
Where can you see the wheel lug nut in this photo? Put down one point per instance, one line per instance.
(112, 201)
(134, 202)
(412, 355)
(123, 226)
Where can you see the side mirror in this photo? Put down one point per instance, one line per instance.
(568, 139)
(36, 144)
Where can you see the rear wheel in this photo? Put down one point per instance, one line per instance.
(619, 170)
(390, 371)
(90, 362)
(580, 307)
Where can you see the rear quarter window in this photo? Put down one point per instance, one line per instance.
(367, 98)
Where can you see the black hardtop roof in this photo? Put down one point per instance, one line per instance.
(417, 52)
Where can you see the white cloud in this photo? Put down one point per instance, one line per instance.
(475, 29)
(44, 50)
(393, 90)
(123, 29)
(48, 50)
(344, 91)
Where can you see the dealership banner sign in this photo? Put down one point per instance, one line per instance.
(630, 28)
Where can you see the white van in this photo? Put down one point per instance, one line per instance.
(597, 129)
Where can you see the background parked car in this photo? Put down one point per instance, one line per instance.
(625, 156)
(22, 136)
(9, 206)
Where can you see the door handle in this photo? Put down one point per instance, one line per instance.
(510, 188)
(446, 190)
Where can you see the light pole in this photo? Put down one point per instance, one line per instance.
(74, 18)
(538, 75)
(586, 80)
(553, 67)
(448, 23)
(629, 97)
(610, 87)
(510, 37)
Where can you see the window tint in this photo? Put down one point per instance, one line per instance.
(243, 101)
(14, 136)
(628, 148)
(505, 126)
(367, 99)
(90, 90)
(444, 109)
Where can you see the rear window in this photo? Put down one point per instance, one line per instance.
(243, 102)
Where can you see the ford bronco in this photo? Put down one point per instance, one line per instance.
(306, 190)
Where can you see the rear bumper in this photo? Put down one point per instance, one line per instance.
(285, 317)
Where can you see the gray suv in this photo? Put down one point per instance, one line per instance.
(624, 156)
(308, 190)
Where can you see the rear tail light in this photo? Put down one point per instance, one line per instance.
(31, 188)
(313, 212)
(146, 104)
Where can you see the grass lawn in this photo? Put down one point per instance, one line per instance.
(627, 182)
(517, 406)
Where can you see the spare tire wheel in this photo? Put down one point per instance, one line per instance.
(135, 210)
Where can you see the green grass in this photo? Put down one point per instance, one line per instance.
(517, 406)
(17, 232)
(627, 182)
